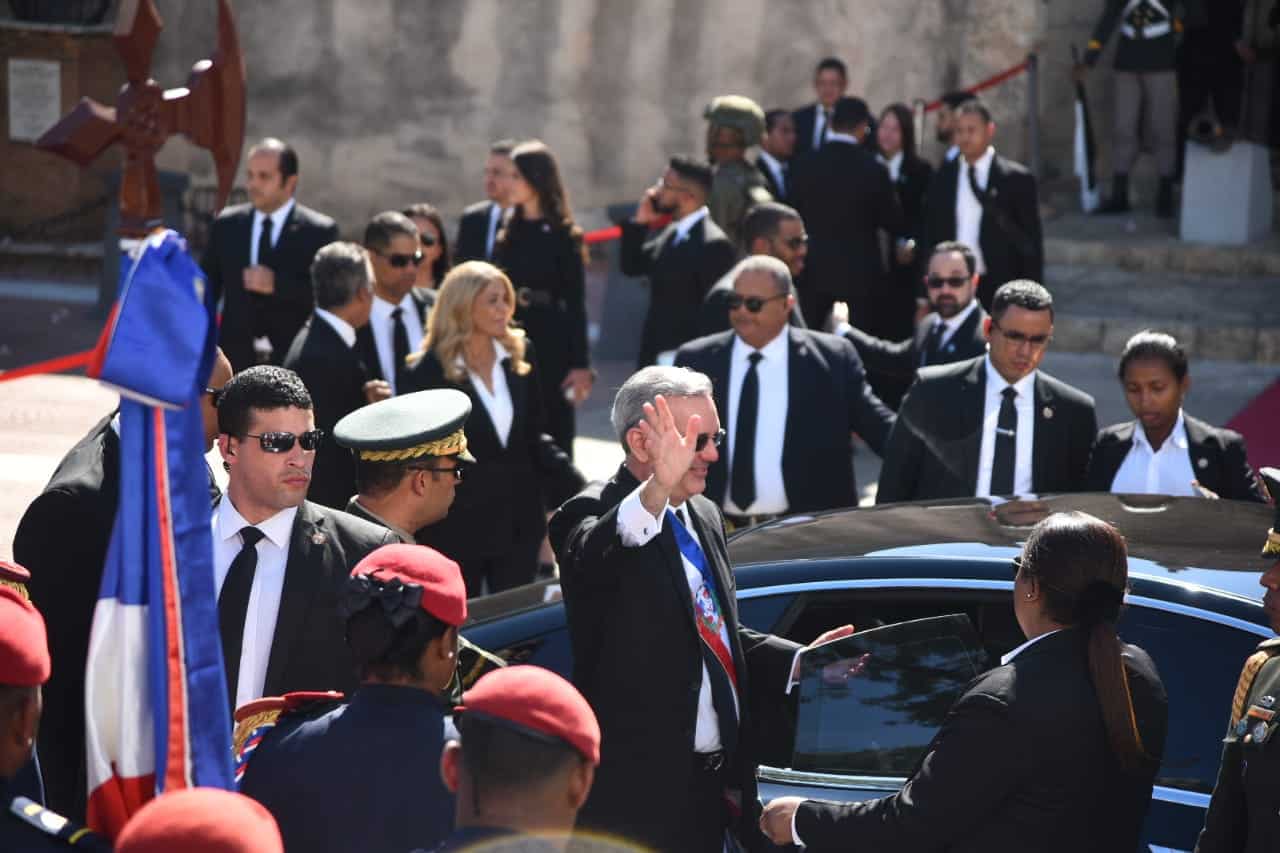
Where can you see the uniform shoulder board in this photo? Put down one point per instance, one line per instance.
(1266, 651)
(55, 825)
(255, 719)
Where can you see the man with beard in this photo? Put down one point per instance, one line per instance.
(953, 332)
(946, 123)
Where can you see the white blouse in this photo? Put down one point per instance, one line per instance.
(498, 401)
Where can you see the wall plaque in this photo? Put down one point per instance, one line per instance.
(35, 97)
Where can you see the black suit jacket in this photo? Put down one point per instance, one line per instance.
(473, 233)
(679, 278)
(637, 660)
(804, 118)
(423, 300)
(1011, 238)
(845, 197)
(827, 398)
(1021, 763)
(713, 316)
(934, 446)
(1218, 459)
(335, 375)
(278, 316)
(778, 193)
(902, 358)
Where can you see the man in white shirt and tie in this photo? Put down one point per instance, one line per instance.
(813, 122)
(279, 560)
(398, 319)
(478, 227)
(995, 425)
(777, 147)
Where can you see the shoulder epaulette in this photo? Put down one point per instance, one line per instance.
(53, 824)
(1266, 651)
(254, 719)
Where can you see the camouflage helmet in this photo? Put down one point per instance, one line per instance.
(1271, 483)
(738, 112)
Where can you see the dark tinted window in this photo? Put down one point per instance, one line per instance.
(763, 614)
(1199, 663)
(881, 718)
(549, 651)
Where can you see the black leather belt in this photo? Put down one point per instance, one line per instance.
(737, 522)
(528, 298)
(709, 762)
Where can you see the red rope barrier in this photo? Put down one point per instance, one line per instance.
(603, 235)
(53, 365)
(989, 83)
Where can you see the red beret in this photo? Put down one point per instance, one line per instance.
(201, 820)
(444, 595)
(24, 646)
(539, 700)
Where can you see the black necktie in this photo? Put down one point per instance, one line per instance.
(264, 241)
(233, 603)
(931, 344)
(743, 485)
(826, 128)
(1002, 462)
(784, 170)
(399, 347)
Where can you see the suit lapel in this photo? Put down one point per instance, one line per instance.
(1045, 435)
(1206, 461)
(802, 384)
(519, 390)
(302, 577)
(368, 352)
(973, 390)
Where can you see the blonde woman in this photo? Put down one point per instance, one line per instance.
(497, 521)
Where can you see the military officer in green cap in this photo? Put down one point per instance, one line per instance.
(1243, 814)
(734, 124)
(410, 454)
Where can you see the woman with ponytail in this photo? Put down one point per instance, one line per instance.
(1054, 750)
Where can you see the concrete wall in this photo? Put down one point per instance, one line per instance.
(392, 101)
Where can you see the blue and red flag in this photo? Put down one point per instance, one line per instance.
(156, 702)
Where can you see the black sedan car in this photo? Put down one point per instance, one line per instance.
(929, 586)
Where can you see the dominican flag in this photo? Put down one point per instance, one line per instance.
(156, 703)
(1084, 149)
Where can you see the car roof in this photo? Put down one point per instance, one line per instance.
(1191, 541)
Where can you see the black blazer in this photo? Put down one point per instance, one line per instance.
(1218, 459)
(309, 648)
(506, 493)
(423, 300)
(902, 358)
(934, 446)
(247, 315)
(804, 118)
(713, 316)
(637, 660)
(679, 278)
(1021, 763)
(827, 398)
(473, 233)
(845, 196)
(335, 375)
(912, 187)
(778, 193)
(1011, 238)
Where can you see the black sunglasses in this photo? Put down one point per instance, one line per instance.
(215, 394)
(796, 242)
(1018, 338)
(936, 281)
(401, 261)
(456, 471)
(282, 442)
(716, 438)
(754, 303)
(427, 239)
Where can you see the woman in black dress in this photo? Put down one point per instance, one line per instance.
(541, 249)
(497, 522)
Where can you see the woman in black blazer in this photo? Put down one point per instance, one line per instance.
(498, 519)
(1166, 451)
(1055, 750)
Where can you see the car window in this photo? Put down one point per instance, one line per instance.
(1199, 662)
(550, 651)
(764, 613)
(870, 703)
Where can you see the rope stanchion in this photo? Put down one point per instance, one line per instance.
(989, 83)
(603, 235)
(53, 365)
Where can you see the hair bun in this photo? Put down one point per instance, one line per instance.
(1098, 602)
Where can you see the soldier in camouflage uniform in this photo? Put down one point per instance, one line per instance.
(734, 124)
(1243, 814)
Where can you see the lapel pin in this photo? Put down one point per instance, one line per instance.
(1267, 701)
(1047, 411)
(1202, 463)
(318, 538)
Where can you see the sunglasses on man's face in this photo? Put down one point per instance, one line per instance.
(754, 304)
(954, 282)
(456, 472)
(716, 438)
(282, 442)
(401, 261)
(794, 243)
(1020, 338)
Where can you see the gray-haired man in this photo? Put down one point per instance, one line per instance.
(673, 677)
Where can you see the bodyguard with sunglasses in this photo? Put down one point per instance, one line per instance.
(994, 425)
(279, 561)
(400, 310)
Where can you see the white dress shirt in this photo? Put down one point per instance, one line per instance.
(1006, 658)
(380, 325)
(277, 220)
(264, 595)
(774, 165)
(344, 329)
(950, 324)
(1166, 471)
(685, 224)
(968, 209)
(952, 153)
(893, 164)
(771, 422)
(498, 401)
(843, 137)
(491, 234)
(1024, 404)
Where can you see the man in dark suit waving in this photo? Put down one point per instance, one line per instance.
(280, 563)
(658, 651)
(987, 202)
(993, 425)
(683, 261)
(791, 396)
(259, 259)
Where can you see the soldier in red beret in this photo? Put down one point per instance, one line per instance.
(364, 774)
(26, 826)
(528, 749)
(201, 820)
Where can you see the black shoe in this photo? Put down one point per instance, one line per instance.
(1119, 200)
(1164, 199)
